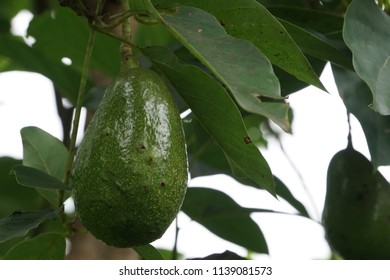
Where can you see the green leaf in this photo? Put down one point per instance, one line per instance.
(20, 223)
(12, 196)
(237, 63)
(367, 34)
(319, 46)
(148, 252)
(7, 245)
(289, 84)
(31, 177)
(43, 151)
(206, 158)
(46, 153)
(220, 214)
(357, 96)
(310, 19)
(249, 20)
(47, 246)
(217, 113)
(153, 35)
(284, 192)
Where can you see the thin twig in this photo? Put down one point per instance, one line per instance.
(65, 115)
(80, 100)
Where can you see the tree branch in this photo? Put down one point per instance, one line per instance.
(65, 115)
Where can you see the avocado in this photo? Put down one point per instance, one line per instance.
(130, 173)
(356, 214)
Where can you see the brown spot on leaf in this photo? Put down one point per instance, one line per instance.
(247, 140)
(162, 184)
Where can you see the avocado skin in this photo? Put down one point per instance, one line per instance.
(356, 213)
(130, 174)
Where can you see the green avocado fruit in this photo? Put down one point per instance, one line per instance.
(130, 174)
(356, 213)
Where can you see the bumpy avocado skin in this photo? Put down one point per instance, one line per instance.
(356, 213)
(130, 173)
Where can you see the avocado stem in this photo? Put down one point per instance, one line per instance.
(126, 50)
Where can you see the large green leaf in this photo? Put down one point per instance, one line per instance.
(220, 214)
(43, 151)
(367, 33)
(47, 246)
(310, 19)
(12, 196)
(20, 223)
(46, 153)
(357, 96)
(35, 178)
(7, 245)
(237, 63)
(249, 20)
(217, 113)
(205, 157)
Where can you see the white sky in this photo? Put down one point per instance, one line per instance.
(320, 130)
